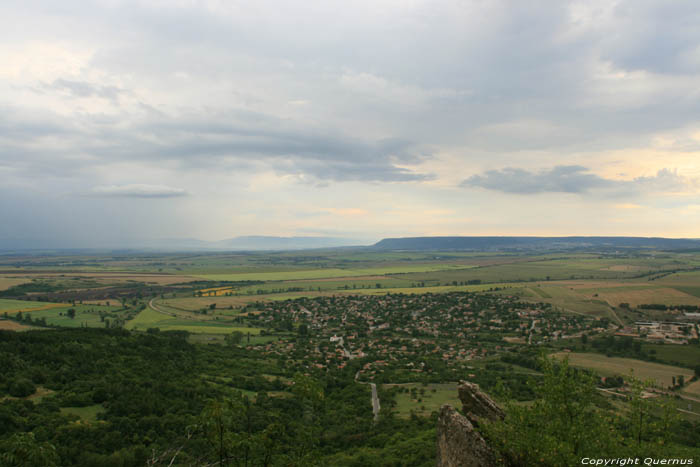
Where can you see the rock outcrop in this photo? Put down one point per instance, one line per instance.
(458, 442)
(476, 404)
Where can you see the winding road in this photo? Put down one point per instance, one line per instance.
(376, 407)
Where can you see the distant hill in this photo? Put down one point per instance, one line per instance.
(532, 243)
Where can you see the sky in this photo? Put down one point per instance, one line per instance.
(123, 121)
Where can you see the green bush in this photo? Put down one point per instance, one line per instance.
(22, 387)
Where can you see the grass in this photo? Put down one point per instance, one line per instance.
(692, 389)
(14, 306)
(693, 290)
(149, 318)
(85, 315)
(431, 400)
(681, 355)
(86, 414)
(661, 374)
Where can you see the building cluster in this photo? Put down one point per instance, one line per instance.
(402, 334)
(666, 332)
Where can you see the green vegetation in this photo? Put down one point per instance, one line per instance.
(10, 306)
(157, 388)
(567, 423)
(123, 358)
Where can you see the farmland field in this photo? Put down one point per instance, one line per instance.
(7, 282)
(14, 306)
(610, 366)
(639, 296)
(692, 389)
(7, 325)
(329, 273)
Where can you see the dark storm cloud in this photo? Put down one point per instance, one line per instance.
(220, 142)
(571, 179)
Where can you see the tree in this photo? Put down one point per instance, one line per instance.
(22, 387)
(241, 432)
(71, 313)
(557, 429)
(22, 449)
(234, 338)
(303, 329)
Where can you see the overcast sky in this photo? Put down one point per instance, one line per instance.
(363, 119)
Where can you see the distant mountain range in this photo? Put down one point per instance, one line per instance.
(531, 243)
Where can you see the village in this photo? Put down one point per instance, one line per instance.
(405, 337)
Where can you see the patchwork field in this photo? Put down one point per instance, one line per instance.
(661, 374)
(576, 282)
(330, 273)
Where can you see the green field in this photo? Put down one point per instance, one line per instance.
(149, 318)
(86, 414)
(56, 314)
(13, 306)
(679, 355)
(85, 315)
(610, 366)
(428, 398)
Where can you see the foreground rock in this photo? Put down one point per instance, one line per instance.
(458, 442)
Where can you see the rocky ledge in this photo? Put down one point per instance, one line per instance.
(458, 442)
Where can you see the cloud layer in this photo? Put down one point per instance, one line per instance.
(262, 114)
